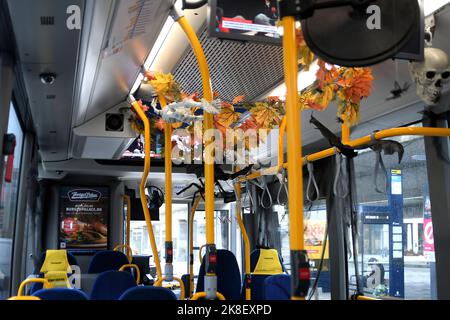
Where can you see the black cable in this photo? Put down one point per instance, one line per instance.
(353, 221)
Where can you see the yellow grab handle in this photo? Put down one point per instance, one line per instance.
(129, 251)
(148, 221)
(133, 266)
(32, 280)
(159, 282)
(200, 295)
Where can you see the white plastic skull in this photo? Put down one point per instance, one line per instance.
(431, 75)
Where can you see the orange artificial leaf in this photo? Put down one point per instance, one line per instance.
(356, 84)
(226, 117)
(177, 125)
(273, 100)
(305, 55)
(143, 106)
(159, 124)
(238, 99)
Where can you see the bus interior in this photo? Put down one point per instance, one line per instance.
(159, 150)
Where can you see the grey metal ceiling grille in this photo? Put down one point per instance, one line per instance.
(236, 68)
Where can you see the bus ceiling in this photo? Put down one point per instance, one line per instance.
(74, 74)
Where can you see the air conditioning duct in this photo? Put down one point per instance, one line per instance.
(106, 136)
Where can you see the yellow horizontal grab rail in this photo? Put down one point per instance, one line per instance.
(128, 249)
(362, 297)
(29, 298)
(159, 282)
(135, 267)
(22, 286)
(200, 295)
(383, 134)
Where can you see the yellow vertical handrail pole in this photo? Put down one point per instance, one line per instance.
(208, 124)
(345, 133)
(191, 245)
(300, 270)
(137, 108)
(248, 290)
(128, 219)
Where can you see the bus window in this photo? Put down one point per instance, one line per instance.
(8, 206)
(139, 239)
(315, 220)
(396, 250)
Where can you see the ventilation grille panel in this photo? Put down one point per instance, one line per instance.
(236, 68)
(47, 20)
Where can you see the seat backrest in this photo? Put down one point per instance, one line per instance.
(148, 293)
(278, 287)
(106, 261)
(70, 258)
(228, 275)
(263, 263)
(37, 271)
(110, 285)
(61, 294)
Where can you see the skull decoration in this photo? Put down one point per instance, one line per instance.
(431, 75)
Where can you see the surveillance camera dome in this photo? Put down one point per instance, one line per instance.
(48, 78)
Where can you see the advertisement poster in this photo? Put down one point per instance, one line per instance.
(83, 218)
(314, 236)
(428, 238)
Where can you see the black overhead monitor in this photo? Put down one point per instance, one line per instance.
(244, 20)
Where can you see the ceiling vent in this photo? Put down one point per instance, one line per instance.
(47, 20)
(107, 136)
(237, 68)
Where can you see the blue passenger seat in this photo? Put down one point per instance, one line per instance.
(61, 294)
(106, 261)
(278, 287)
(228, 275)
(110, 285)
(148, 293)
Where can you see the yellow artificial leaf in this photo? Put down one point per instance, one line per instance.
(265, 116)
(162, 82)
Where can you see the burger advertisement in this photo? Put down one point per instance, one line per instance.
(83, 213)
